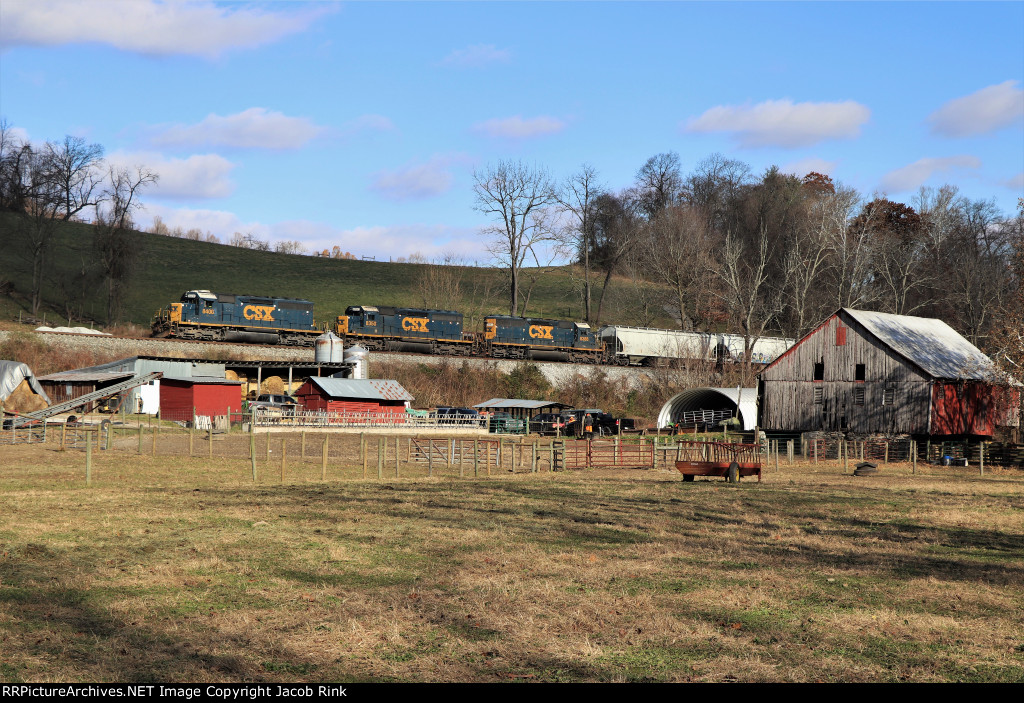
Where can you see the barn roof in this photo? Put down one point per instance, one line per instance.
(933, 345)
(377, 389)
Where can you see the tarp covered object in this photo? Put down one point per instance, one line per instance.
(12, 373)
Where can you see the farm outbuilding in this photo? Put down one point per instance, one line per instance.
(348, 395)
(521, 409)
(203, 395)
(707, 407)
(877, 373)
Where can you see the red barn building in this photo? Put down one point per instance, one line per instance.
(352, 396)
(877, 373)
(207, 395)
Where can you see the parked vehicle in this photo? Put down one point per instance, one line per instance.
(273, 404)
(504, 423)
(466, 417)
(547, 423)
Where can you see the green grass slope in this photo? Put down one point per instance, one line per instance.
(169, 266)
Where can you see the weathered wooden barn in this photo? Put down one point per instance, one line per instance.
(876, 373)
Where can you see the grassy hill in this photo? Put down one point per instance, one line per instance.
(169, 266)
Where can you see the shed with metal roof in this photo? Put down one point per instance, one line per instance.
(350, 395)
(521, 409)
(877, 373)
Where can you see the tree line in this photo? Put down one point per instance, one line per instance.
(758, 254)
(44, 185)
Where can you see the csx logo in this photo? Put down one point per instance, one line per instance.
(258, 312)
(540, 332)
(415, 324)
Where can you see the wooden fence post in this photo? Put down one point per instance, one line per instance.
(283, 450)
(476, 458)
(533, 459)
(380, 458)
(88, 460)
(981, 450)
(323, 459)
(302, 445)
(252, 450)
(886, 459)
(362, 451)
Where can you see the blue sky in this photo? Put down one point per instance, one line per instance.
(360, 124)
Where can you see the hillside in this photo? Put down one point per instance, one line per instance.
(169, 266)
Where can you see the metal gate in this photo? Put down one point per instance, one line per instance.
(608, 453)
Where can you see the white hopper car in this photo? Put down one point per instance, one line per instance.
(645, 346)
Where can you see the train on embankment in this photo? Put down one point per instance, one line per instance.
(205, 316)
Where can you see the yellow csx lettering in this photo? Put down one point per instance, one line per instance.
(258, 312)
(415, 324)
(540, 332)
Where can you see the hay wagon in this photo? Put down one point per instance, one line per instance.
(731, 461)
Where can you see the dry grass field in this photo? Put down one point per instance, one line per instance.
(182, 569)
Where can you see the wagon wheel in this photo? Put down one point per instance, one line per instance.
(734, 473)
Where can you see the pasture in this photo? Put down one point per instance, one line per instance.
(178, 568)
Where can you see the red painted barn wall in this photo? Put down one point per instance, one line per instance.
(312, 398)
(177, 398)
(971, 408)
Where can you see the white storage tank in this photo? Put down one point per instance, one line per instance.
(359, 357)
(328, 349)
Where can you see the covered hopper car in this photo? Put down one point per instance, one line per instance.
(222, 317)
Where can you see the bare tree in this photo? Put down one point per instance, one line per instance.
(117, 247)
(659, 183)
(34, 190)
(681, 257)
(753, 299)
(810, 254)
(517, 197)
(290, 247)
(439, 284)
(617, 228)
(577, 198)
(75, 168)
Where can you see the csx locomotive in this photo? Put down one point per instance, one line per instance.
(219, 317)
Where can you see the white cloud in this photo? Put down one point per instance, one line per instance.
(255, 128)
(476, 56)
(985, 111)
(381, 242)
(1016, 182)
(804, 166)
(197, 176)
(414, 181)
(783, 123)
(519, 128)
(146, 26)
(914, 175)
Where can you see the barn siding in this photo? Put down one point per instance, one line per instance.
(970, 408)
(788, 385)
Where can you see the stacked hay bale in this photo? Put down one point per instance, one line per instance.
(24, 400)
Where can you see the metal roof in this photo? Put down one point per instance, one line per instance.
(930, 343)
(378, 389)
(85, 376)
(207, 380)
(517, 403)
